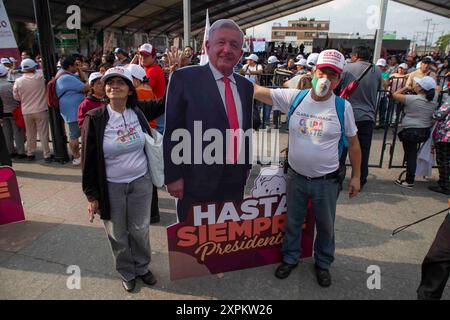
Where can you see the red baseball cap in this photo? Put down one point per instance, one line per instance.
(147, 50)
(331, 59)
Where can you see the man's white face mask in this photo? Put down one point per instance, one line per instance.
(321, 86)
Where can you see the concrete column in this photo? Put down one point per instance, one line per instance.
(380, 31)
(187, 22)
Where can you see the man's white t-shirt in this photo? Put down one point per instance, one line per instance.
(247, 68)
(123, 147)
(314, 132)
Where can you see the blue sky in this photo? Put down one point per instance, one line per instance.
(403, 19)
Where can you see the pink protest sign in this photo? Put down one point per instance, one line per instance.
(11, 209)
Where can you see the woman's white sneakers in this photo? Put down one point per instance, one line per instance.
(404, 184)
(76, 161)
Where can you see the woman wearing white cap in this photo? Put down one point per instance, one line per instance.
(416, 123)
(116, 178)
(398, 78)
(252, 70)
(301, 67)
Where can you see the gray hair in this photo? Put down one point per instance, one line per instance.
(225, 24)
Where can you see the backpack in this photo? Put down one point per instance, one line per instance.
(50, 94)
(343, 141)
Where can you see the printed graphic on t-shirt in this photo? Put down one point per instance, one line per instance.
(127, 136)
(312, 125)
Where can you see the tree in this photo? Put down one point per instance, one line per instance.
(443, 42)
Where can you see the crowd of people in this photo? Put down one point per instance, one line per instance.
(113, 100)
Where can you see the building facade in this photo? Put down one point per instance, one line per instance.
(300, 32)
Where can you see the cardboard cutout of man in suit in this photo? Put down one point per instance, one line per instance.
(201, 95)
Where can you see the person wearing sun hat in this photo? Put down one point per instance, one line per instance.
(116, 179)
(315, 126)
(416, 123)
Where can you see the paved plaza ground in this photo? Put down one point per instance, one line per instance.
(35, 254)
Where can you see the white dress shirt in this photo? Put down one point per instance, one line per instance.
(221, 86)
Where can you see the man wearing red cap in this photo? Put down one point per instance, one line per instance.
(320, 125)
(147, 59)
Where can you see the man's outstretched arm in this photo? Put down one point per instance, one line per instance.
(263, 94)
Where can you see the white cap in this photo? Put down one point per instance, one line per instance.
(404, 66)
(5, 60)
(28, 64)
(299, 57)
(312, 59)
(136, 71)
(302, 62)
(331, 59)
(3, 70)
(12, 59)
(273, 59)
(118, 72)
(381, 62)
(427, 83)
(94, 76)
(147, 50)
(253, 57)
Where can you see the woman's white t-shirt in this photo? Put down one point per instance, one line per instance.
(123, 147)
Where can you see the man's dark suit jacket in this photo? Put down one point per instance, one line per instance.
(193, 95)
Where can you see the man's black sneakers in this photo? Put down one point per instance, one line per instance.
(284, 270)
(148, 278)
(129, 285)
(323, 276)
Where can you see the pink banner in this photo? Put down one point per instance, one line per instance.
(11, 209)
(11, 52)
